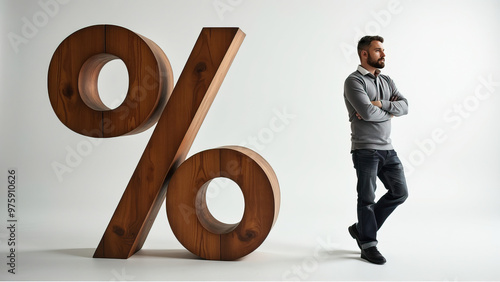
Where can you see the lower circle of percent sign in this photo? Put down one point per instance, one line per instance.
(178, 111)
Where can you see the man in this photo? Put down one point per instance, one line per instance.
(372, 100)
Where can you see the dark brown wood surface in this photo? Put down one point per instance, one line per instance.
(188, 105)
(194, 225)
(74, 71)
(73, 93)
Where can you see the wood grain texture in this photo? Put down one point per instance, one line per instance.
(187, 106)
(74, 71)
(193, 224)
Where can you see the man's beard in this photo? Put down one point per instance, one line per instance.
(376, 64)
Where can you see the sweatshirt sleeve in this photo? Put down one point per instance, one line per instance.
(399, 106)
(357, 97)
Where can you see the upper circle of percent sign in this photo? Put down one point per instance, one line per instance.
(178, 113)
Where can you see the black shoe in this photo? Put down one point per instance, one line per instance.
(373, 255)
(354, 234)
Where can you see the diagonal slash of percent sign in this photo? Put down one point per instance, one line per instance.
(72, 85)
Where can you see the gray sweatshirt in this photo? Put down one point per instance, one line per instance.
(374, 130)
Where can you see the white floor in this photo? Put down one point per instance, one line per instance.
(418, 249)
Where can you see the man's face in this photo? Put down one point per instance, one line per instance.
(376, 55)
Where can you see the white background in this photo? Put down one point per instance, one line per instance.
(294, 59)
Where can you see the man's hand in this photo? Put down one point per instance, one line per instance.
(377, 104)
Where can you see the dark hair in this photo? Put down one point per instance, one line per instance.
(365, 42)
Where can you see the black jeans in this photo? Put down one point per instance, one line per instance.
(369, 165)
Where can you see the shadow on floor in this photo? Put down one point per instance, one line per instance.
(324, 254)
(89, 253)
(340, 254)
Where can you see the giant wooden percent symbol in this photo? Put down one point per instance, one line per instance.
(179, 113)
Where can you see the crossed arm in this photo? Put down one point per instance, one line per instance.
(360, 106)
(379, 104)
